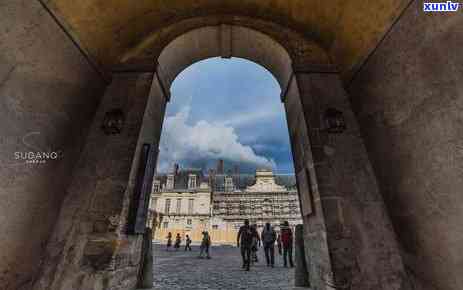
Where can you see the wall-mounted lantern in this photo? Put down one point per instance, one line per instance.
(334, 121)
(113, 122)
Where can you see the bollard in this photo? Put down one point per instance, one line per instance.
(301, 273)
(146, 272)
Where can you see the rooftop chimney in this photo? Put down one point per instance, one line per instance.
(220, 166)
(236, 173)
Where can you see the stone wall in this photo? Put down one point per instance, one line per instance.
(48, 95)
(408, 98)
(90, 248)
(345, 249)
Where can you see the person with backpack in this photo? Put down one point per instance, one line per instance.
(187, 243)
(255, 244)
(205, 244)
(244, 242)
(286, 235)
(269, 237)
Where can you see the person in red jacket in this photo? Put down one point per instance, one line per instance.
(286, 236)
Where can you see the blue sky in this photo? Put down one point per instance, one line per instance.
(229, 109)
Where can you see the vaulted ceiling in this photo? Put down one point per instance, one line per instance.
(348, 29)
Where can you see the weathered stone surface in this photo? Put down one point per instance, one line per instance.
(89, 244)
(362, 255)
(348, 30)
(48, 95)
(98, 253)
(146, 275)
(301, 275)
(315, 238)
(409, 98)
(204, 42)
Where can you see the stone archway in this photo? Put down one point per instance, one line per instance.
(90, 247)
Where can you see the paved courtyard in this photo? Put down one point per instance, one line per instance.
(183, 270)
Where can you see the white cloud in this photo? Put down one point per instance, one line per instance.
(185, 143)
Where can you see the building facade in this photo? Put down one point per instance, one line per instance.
(187, 202)
(182, 203)
(264, 201)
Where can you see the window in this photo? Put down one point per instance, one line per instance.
(215, 227)
(229, 184)
(165, 225)
(190, 205)
(170, 181)
(188, 222)
(167, 206)
(153, 203)
(191, 181)
(156, 186)
(179, 205)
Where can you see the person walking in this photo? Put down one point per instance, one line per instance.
(205, 245)
(287, 242)
(244, 242)
(169, 241)
(279, 244)
(187, 243)
(178, 241)
(255, 244)
(269, 237)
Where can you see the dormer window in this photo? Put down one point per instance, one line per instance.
(156, 186)
(170, 181)
(192, 181)
(229, 184)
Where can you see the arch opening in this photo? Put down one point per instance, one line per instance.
(328, 203)
(223, 197)
(224, 41)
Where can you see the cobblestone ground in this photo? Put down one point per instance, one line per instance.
(183, 270)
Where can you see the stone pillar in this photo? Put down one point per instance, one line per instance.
(361, 242)
(301, 274)
(146, 269)
(315, 237)
(90, 245)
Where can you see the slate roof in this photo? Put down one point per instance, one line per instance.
(240, 181)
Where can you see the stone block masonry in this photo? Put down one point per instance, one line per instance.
(48, 96)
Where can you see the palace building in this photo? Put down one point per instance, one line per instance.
(188, 202)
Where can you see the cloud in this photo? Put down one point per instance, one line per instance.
(204, 143)
(265, 113)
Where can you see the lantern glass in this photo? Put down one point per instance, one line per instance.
(113, 122)
(334, 121)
